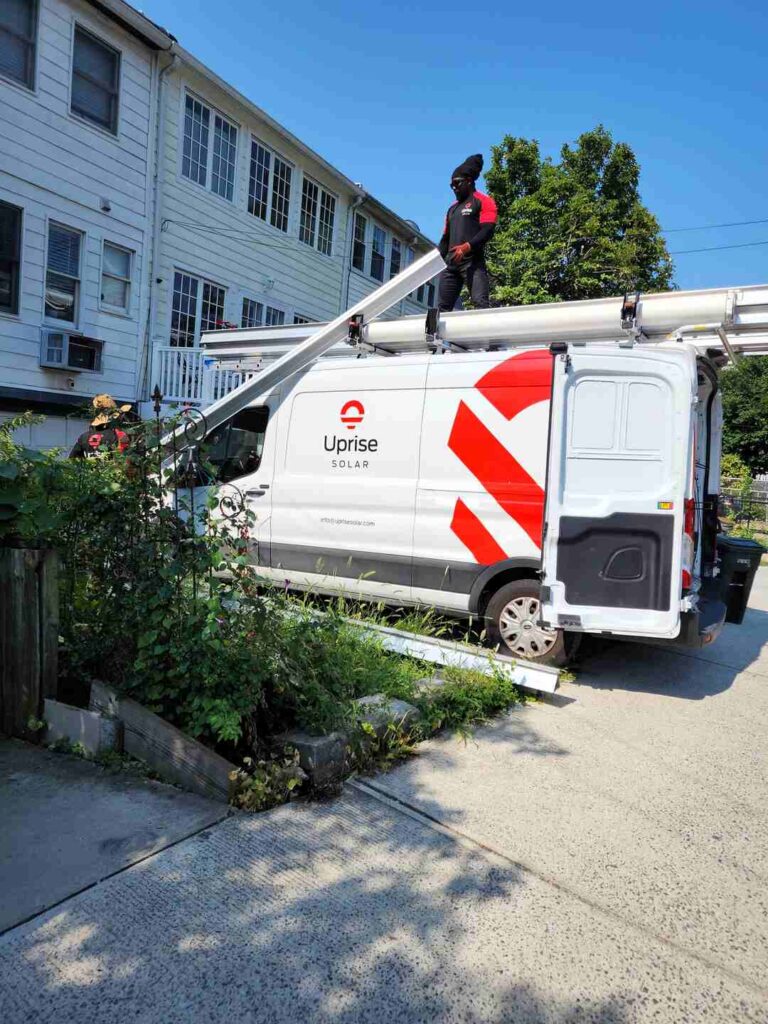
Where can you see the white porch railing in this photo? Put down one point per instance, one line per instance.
(191, 375)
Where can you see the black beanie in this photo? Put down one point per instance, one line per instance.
(470, 168)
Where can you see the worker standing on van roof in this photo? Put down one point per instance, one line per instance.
(469, 224)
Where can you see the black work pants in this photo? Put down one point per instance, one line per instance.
(453, 278)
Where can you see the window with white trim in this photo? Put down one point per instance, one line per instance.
(318, 212)
(95, 80)
(378, 252)
(426, 293)
(298, 318)
(62, 276)
(269, 186)
(209, 162)
(116, 266)
(358, 243)
(395, 258)
(18, 41)
(258, 314)
(195, 301)
(10, 257)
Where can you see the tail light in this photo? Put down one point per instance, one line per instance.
(689, 547)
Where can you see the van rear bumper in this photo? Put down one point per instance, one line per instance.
(700, 628)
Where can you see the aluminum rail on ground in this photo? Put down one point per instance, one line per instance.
(418, 273)
(742, 312)
(525, 674)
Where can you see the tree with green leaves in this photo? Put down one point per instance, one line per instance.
(745, 412)
(574, 229)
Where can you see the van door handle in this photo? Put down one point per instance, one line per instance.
(256, 494)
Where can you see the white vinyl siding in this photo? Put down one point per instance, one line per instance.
(10, 257)
(18, 41)
(62, 279)
(116, 273)
(95, 80)
(210, 165)
(269, 186)
(378, 252)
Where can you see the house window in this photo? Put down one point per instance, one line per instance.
(327, 218)
(269, 186)
(212, 310)
(224, 154)
(426, 293)
(212, 166)
(116, 277)
(195, 159)
(194, 301)
(318, 210)
(299, 319)
(253, 313)
(95, 80)
(18, 40)
(378, 250)
(395, 258)
(62, 278)
(10, 257)
(358, 245)
(257, 314)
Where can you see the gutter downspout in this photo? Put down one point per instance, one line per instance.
(357, 202)
(158, 186)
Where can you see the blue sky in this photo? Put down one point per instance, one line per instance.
(395, 95)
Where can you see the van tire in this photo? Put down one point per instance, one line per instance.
(517, 604)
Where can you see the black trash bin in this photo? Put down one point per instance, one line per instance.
(739, 559)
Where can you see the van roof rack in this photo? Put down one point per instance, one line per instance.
(734, 320)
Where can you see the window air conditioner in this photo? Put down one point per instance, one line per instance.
(62, 350)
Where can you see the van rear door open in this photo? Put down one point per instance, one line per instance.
(619, 471)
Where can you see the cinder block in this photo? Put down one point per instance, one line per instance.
(96, 732)
(323, 758)
(381, 711)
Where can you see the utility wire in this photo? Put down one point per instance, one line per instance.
(713, 248)
(711, 227)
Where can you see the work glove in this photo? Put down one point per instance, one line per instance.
(460, 252)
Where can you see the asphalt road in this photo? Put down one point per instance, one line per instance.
(600, 858)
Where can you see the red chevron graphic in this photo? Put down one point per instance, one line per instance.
(518, 383)
(514, 385)
(473, 535)
(499, 472)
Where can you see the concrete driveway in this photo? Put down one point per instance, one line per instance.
(601, 858)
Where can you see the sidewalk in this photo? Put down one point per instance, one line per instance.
(602, 859)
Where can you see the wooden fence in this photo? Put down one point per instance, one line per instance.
(29, 636)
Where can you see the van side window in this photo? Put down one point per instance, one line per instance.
(234, 449)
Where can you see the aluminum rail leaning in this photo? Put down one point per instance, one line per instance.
(526, 675)
(337, 330)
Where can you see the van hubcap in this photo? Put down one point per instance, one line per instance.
(520, 631)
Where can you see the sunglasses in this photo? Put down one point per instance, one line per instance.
(457, 182)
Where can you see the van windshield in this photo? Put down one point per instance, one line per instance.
(234, 449)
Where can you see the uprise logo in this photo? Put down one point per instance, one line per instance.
(352, 413)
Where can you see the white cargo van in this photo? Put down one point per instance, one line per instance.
(548, 489)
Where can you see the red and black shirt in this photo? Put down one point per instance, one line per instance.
(97, 440)
(473, 220)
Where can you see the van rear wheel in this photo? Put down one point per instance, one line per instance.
(512, 621)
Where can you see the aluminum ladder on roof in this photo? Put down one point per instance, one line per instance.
(731, 319)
